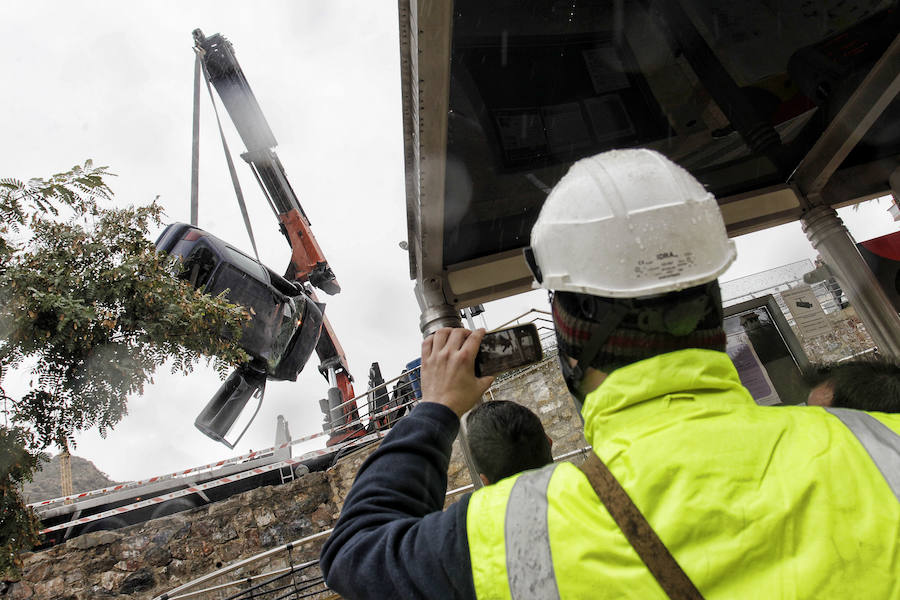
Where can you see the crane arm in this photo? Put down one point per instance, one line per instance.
(308, 263)
(220, 64)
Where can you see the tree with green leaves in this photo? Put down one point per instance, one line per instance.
(18, 524)
(91, 309)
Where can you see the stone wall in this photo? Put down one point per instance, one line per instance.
(148, 559)
(145, 560)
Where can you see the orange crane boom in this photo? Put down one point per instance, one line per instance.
(308, 264)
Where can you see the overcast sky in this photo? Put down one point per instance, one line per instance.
(112, 81)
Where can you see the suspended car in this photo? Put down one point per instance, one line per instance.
(280, 336)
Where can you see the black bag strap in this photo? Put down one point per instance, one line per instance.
(670, 576)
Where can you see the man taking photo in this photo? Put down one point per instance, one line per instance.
(692, 489)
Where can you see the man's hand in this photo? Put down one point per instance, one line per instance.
(448, 369)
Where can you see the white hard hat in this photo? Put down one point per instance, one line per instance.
(627, 224)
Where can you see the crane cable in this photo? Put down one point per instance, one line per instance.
(195, 146)
(234, 178)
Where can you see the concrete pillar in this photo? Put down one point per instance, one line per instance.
(828, 235)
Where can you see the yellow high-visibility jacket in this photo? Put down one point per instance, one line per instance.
(752, 501)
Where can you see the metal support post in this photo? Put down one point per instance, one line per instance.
(282, 436)
(438, 313)
(851, 123)
(468, 312)
(195, 146)
(828, 235)
(824, 229)
(335, 400)
(425, 50)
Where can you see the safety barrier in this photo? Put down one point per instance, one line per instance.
(291, 462)
(177, 474)
(407, 401)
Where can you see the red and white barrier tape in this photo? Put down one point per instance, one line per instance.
(215, 465)
(221, 463)
(209, 484)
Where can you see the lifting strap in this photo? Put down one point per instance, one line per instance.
(234, 178)
(195, 146)
(668, 573)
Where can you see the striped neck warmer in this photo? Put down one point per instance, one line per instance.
(691, 318)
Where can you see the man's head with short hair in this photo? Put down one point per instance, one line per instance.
(506, 438)
(861, 384)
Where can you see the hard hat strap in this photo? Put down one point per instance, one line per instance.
(531, 261)
(600, 331)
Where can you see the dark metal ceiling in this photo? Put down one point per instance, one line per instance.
(737, 92)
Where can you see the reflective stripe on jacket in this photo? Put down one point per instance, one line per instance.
(753, 501)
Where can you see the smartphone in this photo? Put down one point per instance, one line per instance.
(508, 349)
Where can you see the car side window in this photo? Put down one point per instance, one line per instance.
(198, 267)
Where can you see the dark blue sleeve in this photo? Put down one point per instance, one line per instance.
(392, 540)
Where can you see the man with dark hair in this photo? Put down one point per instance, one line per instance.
(861, 384)
(506, 438)
(691, 490)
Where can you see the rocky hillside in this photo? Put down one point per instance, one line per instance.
(85, 476)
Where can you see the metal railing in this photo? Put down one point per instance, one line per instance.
(780, 279)
(277, 577)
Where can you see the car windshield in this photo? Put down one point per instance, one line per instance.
(291, 313)
(273, 316)
(245, 263)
